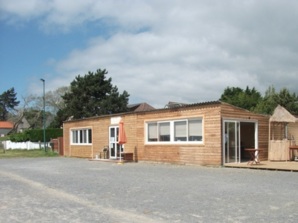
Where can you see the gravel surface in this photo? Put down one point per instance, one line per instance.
(79, 190)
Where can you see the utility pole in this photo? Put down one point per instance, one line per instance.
(43, 116)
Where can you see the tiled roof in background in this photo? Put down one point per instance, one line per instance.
(140, 107)
(6, 125)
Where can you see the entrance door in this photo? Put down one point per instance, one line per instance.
(113, 142)
(232, 149)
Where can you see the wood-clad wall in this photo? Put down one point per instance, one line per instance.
(293, 132)
(66, 139)
(84, 151)
(100, 135)
(229, 111)
(278, 130)
(279, 150)
(208, 153)
(283, 135)
(130, 123)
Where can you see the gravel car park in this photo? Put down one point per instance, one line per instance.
(78, 190)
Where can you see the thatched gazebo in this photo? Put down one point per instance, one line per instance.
(283, 132)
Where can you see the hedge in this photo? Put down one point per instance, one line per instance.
(36, 135)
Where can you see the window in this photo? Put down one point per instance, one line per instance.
(195, 130)
(164, 132)
(152, 132)
(81, 136)
(180, 131)
(75, 136)
(175, 131)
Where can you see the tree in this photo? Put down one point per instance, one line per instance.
(31, 110)
(8, 102)
(252, 100)
(268, 103)
(230, 95)
(56, 105)
(247, 99)
(287, 100)
(272, 99)
(54, 100)
(60, 117)
(34, 117)
(92, 95)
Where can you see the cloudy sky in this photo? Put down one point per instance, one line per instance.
(157, 50)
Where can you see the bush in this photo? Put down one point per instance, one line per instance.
(19, 137)
(36, 135)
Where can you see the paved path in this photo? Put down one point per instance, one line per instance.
(78, 190)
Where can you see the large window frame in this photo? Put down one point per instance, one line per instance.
(81, 136)
(177, 131)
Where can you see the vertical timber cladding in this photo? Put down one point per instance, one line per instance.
(207, 153)
(232, 112)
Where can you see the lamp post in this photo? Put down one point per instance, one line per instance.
(43, 116)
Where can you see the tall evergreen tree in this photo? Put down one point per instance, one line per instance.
(8, 102)
(92, 95)
(268, 103)
(287, 100)
(252, 100)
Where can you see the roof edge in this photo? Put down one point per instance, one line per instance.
(149, 111)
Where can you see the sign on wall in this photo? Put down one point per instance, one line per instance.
(115, 120)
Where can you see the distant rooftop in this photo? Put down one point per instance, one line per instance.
(140, 107)
(6, 125)
(173, 104)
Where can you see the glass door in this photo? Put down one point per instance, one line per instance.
(114, 148)
(231, 147)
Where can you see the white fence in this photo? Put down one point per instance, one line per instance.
(23, 145)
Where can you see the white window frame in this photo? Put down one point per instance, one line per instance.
(82, 136)
(186, 130)
(172, 131)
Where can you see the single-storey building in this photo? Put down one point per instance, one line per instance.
(210, 133)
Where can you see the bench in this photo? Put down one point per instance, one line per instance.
(127, 156)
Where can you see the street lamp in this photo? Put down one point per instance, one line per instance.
(43, 116)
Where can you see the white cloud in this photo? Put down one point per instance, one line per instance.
(180, 50)
(14, 11)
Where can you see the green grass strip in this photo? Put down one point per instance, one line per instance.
(14, 153)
